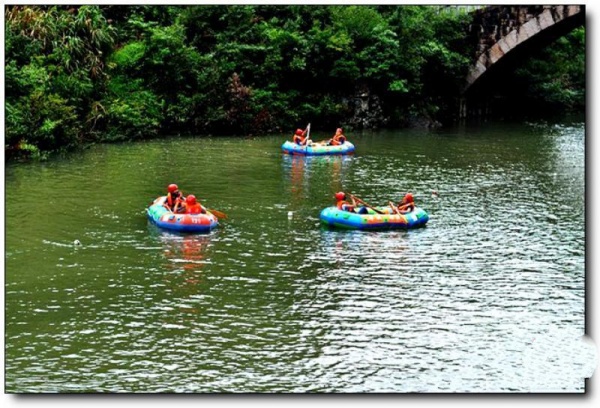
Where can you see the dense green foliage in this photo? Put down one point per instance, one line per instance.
(55, 75)
(81, 74)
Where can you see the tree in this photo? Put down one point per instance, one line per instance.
(55, 60)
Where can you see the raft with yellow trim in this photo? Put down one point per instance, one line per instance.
(333, 217)
(167, 219)
(317, 149)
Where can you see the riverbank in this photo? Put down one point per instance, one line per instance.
(77, 75)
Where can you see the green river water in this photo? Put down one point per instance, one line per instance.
(488, 297)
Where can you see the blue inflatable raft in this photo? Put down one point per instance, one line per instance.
(317, 149)
(167, 219)
(333, 217)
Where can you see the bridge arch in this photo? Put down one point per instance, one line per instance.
(507, 34)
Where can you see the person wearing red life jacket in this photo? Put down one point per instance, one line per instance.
(175, 200)
(338, 138)
(344, 205)
(192, 206)
(407, 204)
(300, 137)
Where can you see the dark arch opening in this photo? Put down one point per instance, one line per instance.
(500, 92)
(512, 59)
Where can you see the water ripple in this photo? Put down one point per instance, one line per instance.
(489, 297)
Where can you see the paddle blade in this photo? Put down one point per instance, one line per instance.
(218, 214)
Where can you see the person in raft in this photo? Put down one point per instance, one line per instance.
(344, 205)
(174, 201)
(407, 204)
(338, 138)
(192, 206)
(300, 137)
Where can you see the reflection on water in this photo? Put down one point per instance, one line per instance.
(185, 258)
(303, 171)
(489, 297)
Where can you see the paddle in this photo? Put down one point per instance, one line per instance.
(366, 204)
(217, 214)
(308, 139)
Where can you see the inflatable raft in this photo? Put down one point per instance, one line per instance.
(333, 217)
(167, 219)
(317, 149)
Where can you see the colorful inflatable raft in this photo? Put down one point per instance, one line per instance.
(333, 217)
(167, 219)
(317, 149)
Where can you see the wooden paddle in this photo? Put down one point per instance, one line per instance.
(217, 214)
(366, 204)
(307, 141)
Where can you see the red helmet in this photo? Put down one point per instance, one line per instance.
(190, 199)
(408, 198)
(340, 196)
(172, 188)
(338, 130)
(299, 132)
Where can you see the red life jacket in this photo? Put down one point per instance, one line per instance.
(344, 206)
(406, 207)
(299, 139)
(338, 140)
(194, 209)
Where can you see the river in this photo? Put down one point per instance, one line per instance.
(488, 297)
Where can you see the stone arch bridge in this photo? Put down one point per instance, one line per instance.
(504, 35)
